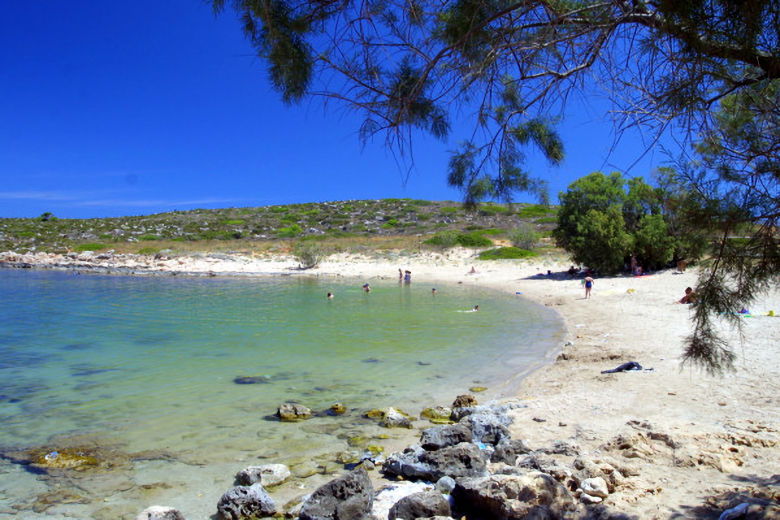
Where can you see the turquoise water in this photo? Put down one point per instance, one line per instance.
(150, 363)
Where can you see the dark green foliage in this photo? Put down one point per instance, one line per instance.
(443, 239)
(473, 239)
(506, 253)
(602, 225)
(90, 247)
(524, 236)
(289, 231)
(148, 237)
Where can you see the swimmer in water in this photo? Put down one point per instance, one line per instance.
(330, 295)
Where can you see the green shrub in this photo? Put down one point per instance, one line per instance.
(505, 253)
(148, 237)
(390, 224)
(448, 210)
(474, 239)
(90, 247)
(535, 210)
(25, 234)
(524, 236)
(546, 220)
(234, 222)
(148, 251)
(493, 209)
(289, 231)
(493, 231)
(443, 239)
(308, 254)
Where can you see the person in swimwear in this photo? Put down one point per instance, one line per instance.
(588, 286)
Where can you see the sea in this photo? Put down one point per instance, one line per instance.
(173, 382)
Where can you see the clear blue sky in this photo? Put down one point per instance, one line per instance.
(129, 108)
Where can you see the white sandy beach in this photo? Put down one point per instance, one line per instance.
(694, 441)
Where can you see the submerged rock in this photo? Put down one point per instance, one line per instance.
(337, 409)
(252, 380)
(349, 497)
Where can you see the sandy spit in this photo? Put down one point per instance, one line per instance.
(699, 443)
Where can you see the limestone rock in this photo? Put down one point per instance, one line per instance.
(595, 487)
(420, 505)
(437, 414)
(395, 419)
(464, 401)
(159, 513)
(348, 497)
(488, 428)
(462, 460)
(245, 502)
(533, 495)
(289, 412)
(507, 451)
(445, 485)
(267, 475)
(442, 436)
(337, 409)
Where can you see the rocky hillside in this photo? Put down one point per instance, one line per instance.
(355, 218)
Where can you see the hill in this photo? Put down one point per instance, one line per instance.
(402, 223)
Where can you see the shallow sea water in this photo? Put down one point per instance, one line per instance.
(147, 367)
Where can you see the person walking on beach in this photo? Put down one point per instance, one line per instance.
(407, 276)
(588, 286)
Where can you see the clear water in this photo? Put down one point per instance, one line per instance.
(149, 364)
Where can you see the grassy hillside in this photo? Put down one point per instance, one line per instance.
(387, 223)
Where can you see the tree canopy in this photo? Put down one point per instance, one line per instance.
(704, 71)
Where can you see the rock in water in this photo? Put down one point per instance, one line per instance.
(464, 401)
(160, 513)
(245, 502)
(290, 412)
(349, 497)
(533, 495)
(425, 504)
(267, 475)
(395, 419)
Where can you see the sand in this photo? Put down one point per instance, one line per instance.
(697, 443)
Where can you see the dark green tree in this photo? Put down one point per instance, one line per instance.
(601, 224)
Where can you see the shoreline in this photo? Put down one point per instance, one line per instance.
(700, 441)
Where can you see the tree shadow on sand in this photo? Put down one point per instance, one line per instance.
(760, 492)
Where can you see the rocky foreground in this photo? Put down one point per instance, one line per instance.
(473, 468)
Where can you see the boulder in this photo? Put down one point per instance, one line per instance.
(488, 428)
(507, 451)
(337, 409)
(414, 463)
(160, 513)
(497, 409)
(245, 502)
(445, 485)
(508, 497)
(437, 414)
(395, 419)
(420, 505)
(464, 401)
(267, 475)
(442, 436)
(289, 412)
(595, 487)
(349, 497)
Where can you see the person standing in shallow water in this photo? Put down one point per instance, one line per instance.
(588, 286)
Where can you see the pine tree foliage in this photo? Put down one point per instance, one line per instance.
(705, 70)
